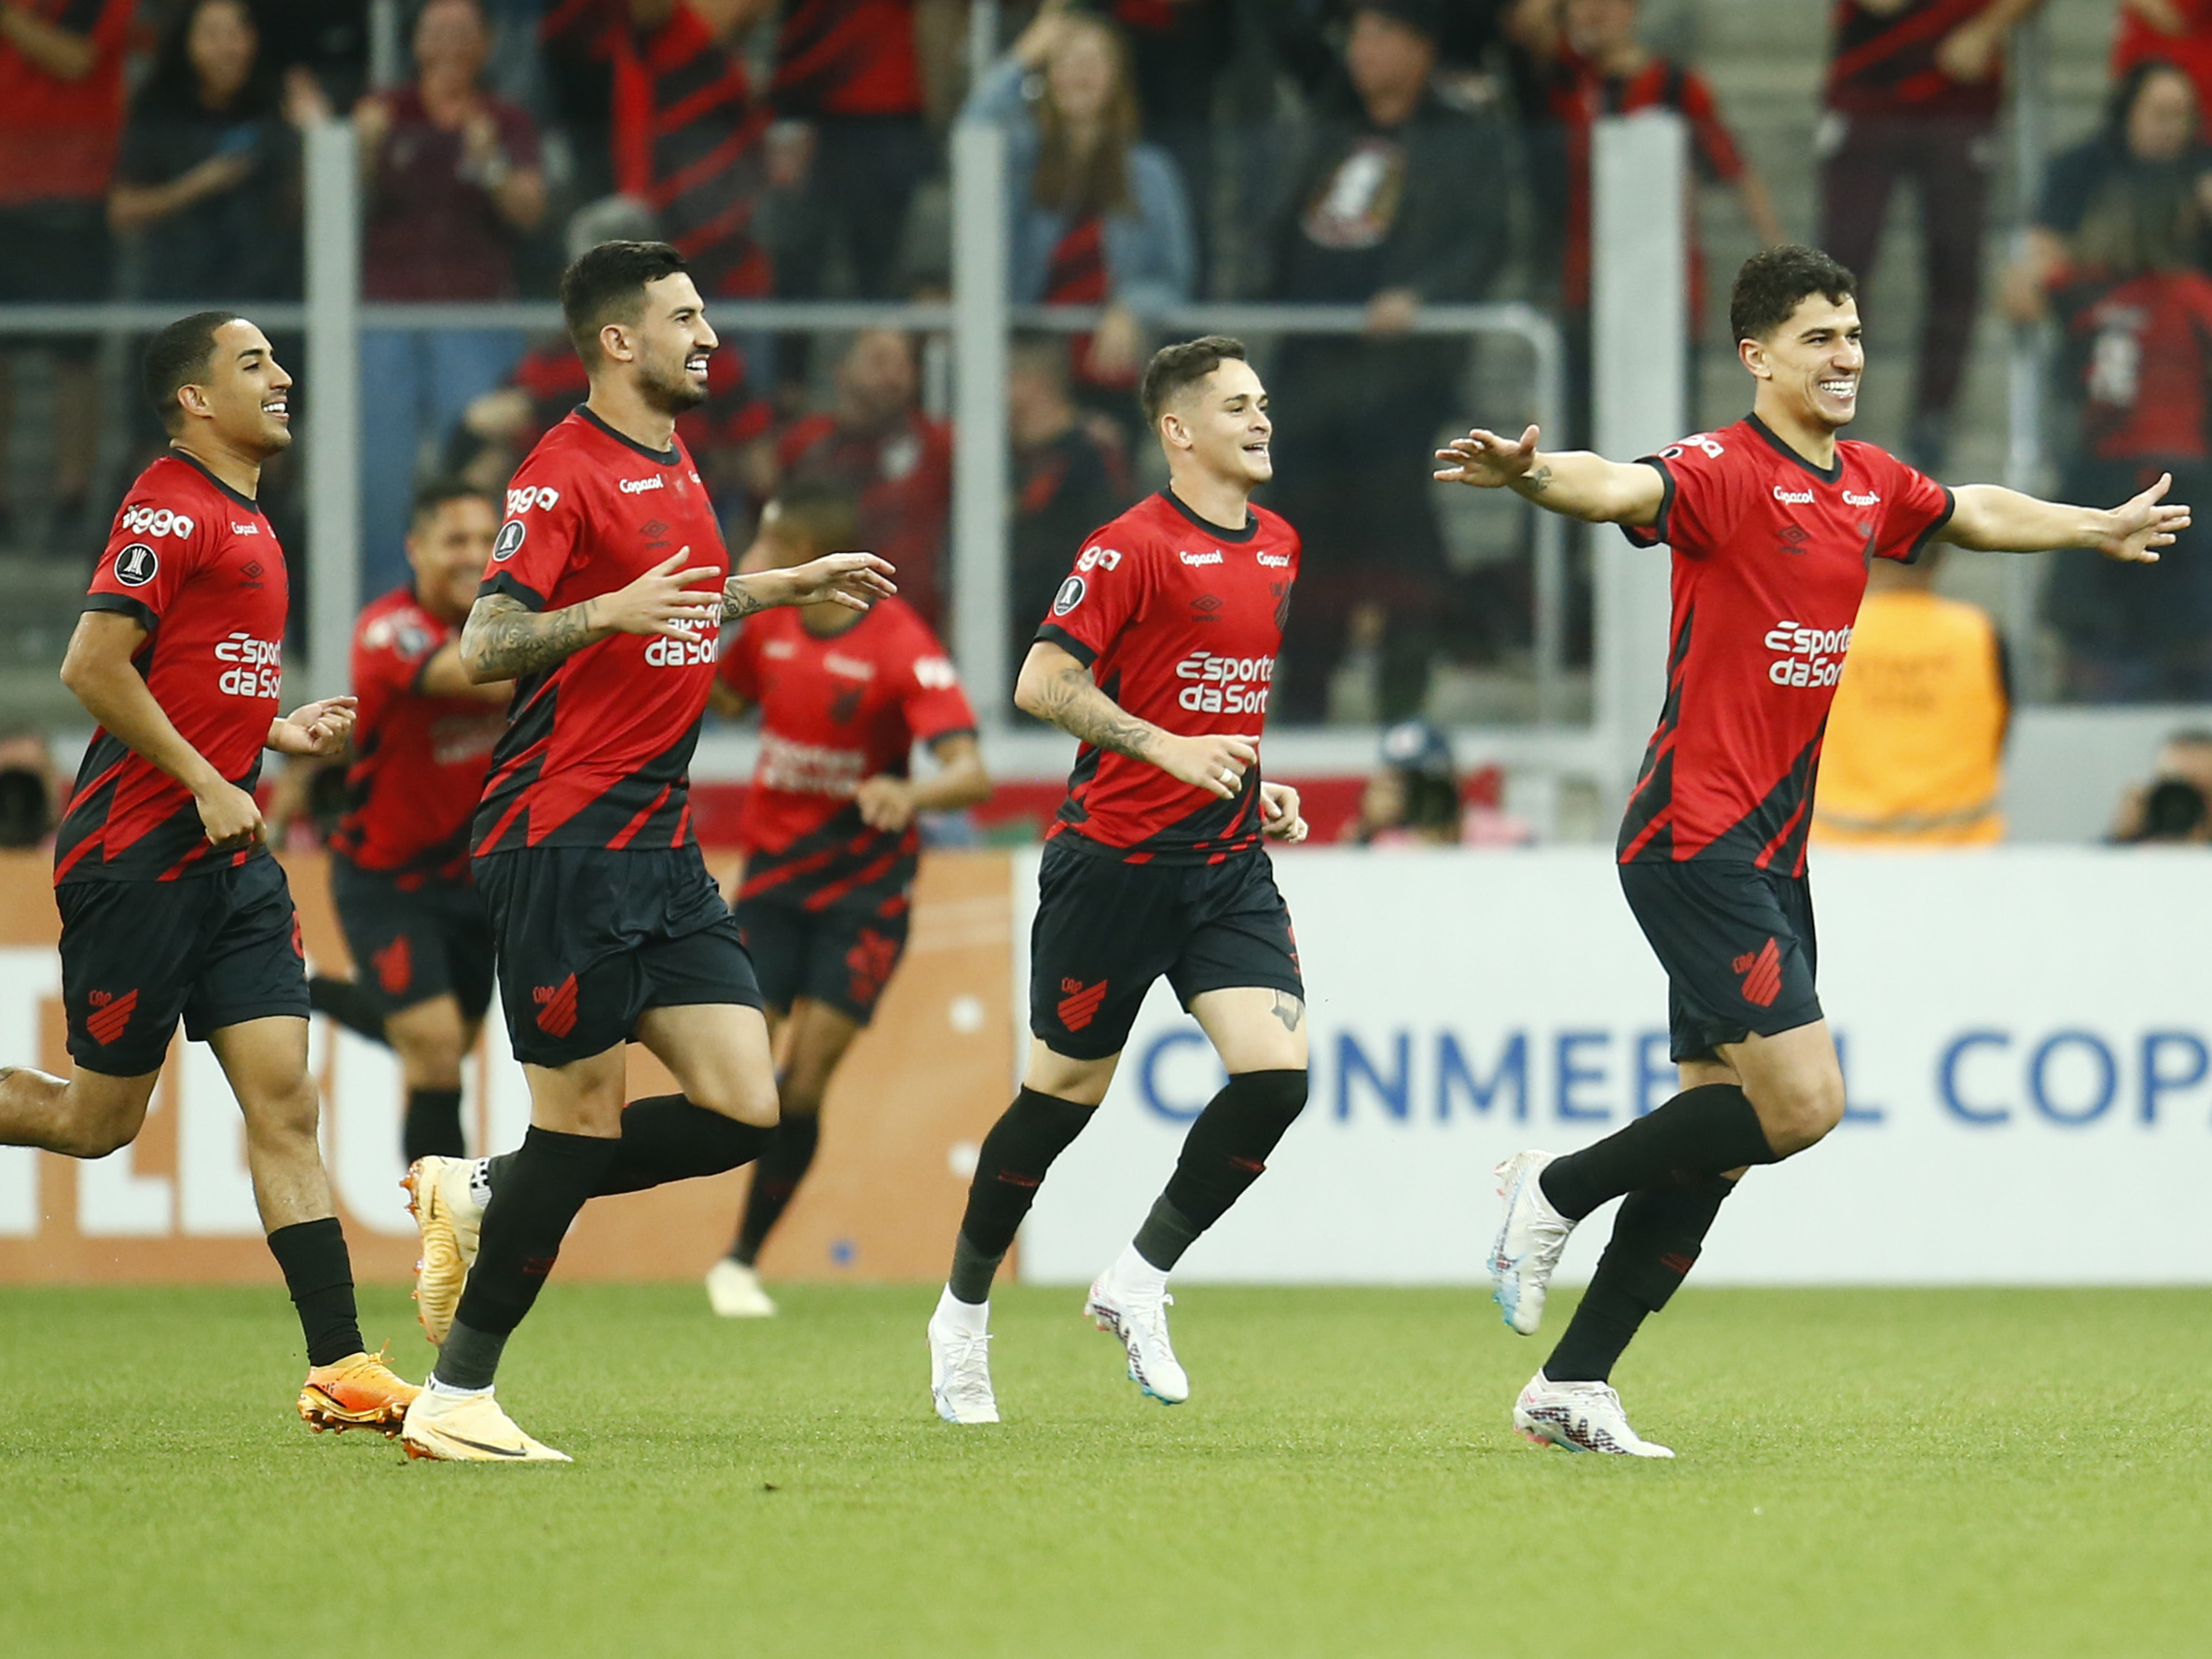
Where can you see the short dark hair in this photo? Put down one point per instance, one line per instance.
(827, 515)
(178, 356)
(608, 285)
(1775, 281)
(1174, 368)
(434, 493)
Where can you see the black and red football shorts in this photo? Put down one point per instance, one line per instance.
(1737, 945)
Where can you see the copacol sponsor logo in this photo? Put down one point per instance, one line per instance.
(639, 486)
(1809, 655)
(1224, 685)
(254, 666)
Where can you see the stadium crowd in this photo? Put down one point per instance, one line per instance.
(1385, 153)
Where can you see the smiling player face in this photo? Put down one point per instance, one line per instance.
(1812, 363)
(449, 549)
(244, 393)
(670, 341)
(1223, 421)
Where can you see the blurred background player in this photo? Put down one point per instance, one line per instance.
(172, 904)
(399, 878)
(831, 842)
(1711, 851)
(1154, 865)
(1914, 751)
(602, 600)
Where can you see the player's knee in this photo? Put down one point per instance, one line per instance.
(97, 1134)
(286, 1115)
(1802, 1114)
(739, 1099)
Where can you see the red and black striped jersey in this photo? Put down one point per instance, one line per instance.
(420, 760)
(1770, 560)
(1179, 622)
(195, 564)
(833, 710)
(1883, 61)
(597, 750)
(847, 58)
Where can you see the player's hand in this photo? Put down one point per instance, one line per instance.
(1969, 52)
(854, 580)
(662, 600)
(319, 729)
(2148, 521)
(1215, 764)
(228, 816)
(1279, 818)
(885, 803)
(1487, 461)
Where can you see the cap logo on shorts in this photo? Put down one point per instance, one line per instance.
(509, 542)
(1069, 597)
(136, 565)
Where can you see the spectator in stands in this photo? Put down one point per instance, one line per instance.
(850, 146)
(61, 121)
(1914, 92)
(208, 175)
(1098, 217)
(877, 443)
(2138, 366)
(1179, 50)
(1914, 751)
(1586, 60)
(2176, 31)
(451, 177)
(32, 788)
(2150, 135)
(1071, 476)
(1412, 799)
(2172, 806)
(1399, 201)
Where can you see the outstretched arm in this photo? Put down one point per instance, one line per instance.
(1572, 482)
(1055, 686)
(1995, 520)
(854, 580)
(504, 639)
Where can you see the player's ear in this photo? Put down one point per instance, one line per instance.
(614, 343)
(193, 401)
(1753, 354)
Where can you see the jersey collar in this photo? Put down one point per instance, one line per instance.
(1827, 474)
(666, 457)
(199, 466)
(1252, 521)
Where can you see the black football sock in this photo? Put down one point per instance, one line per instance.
(775, 1178)
(666, 1138)
(349, 1002)
(1009, 1170)
(1225, 1153)
(1701, 1132)
(319, 1275)
(433, 1128)
(1656, 1239)
(528, 1215)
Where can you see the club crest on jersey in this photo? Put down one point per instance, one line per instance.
(1069, 597)
(509, 542)
(136, 565)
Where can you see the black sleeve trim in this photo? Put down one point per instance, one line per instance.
(1920, 542)
(1052, 633)
(506, 583)
(124, 605)
(1638, 535)
(945, 737)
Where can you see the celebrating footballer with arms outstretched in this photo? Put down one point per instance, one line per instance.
(1773, 522)
(172, 904)
(1157, 655)
(603, 601)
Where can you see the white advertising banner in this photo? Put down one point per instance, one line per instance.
(2026, 1039)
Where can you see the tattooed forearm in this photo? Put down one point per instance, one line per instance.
(1533, 484)
(1073, 701)
(1287, 1009)
(739, 600)
(504, 639)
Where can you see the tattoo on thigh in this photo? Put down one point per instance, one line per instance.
(1287, 1009)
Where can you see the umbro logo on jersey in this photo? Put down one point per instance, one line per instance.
(1793, 537)
(556, 1008)
(1206, 607)
(136, 565)
(1079, 1005)
(1763, 974)
(639, 486)
(652, 529)
(845, 705)
(111, 1015)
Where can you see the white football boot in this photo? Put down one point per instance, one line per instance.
(1139, 1319)
(733, 1290)
(959, 1371)
(1530, 1240)
(468, 1429)
(1582, 1417)
(448, 1203)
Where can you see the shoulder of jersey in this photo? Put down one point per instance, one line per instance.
(1272, 523)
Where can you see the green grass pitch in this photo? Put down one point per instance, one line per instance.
(1898, 1474)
